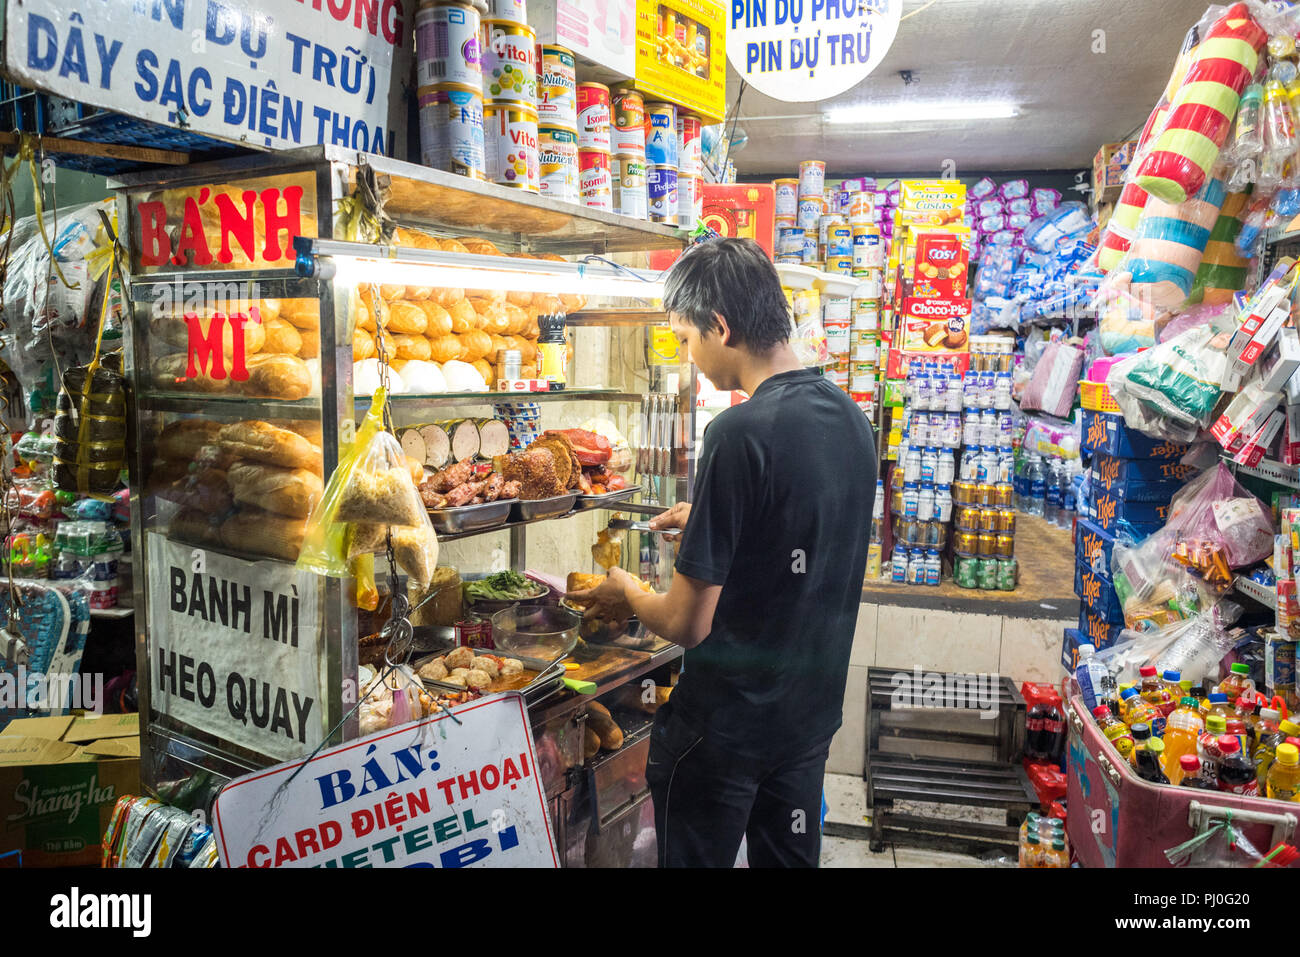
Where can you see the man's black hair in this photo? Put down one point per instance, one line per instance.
(734, 278)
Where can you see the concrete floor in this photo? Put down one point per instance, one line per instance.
(847, 803)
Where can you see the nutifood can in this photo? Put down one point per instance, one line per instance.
(557, 86)
(661, 187)
(594, 186)
(627, 132)
(451, 130)
(787, 197)
(557, 163)
(860, 209)
(689, 159)
(447, 46)
(509, 62)
(593, 117)
(661, 136)
(628, 178)
(510, 145)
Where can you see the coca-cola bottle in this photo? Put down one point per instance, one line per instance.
(1045, 730)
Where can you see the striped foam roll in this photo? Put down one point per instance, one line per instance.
(1223, 272)
(1170, 244)
(1201, 113)
(1122, 226)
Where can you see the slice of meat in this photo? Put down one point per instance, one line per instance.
(511, 490)
(590, 447)
(464, 494)
(446, 479)
(534, 470)
(492, 488)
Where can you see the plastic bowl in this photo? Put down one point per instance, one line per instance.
(546, 632)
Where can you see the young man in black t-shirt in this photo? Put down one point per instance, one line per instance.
(767, 582)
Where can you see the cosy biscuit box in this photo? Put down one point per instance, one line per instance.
(59, 779)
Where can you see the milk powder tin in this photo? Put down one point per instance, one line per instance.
(837, 338)
(868, 248)
(557, 163)
(843, 265)
(447, 46)
(557, 88)
(510, 146)
(628, 178)
(451, 130)
(787, 197)
(661, 186)
(839, 241)
(627, 132)
(593, 117)
(690, 199)
(509, 62)
(515, 11)
(594, 185)
(866, 315)
(810, 213)
(860, 209)
(661, 136)
(812, 180)
(789, 241)
(689, 160)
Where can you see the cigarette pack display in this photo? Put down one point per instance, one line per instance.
(1252, 452)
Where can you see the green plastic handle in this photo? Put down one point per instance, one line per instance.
(580, 686)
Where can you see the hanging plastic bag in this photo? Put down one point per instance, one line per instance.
(1221, 844)
(809, 343)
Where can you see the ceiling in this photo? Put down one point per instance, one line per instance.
(1035, 53)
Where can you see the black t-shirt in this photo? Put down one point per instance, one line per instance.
(781, 519)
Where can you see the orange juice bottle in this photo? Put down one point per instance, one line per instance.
(1182, 729)
(1284, 775)
(1115, 730)
(1153, 689)
(1237, 682)
(1141, 711)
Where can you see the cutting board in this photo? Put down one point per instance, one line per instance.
(608, 665)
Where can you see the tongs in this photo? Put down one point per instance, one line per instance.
(631, 526)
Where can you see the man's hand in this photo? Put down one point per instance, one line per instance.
(608, 600)
(675, 518)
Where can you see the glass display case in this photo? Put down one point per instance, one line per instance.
(256, 285)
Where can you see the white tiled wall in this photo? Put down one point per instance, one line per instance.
(895, 636)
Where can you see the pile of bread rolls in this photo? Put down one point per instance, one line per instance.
(441, 325)
(276, 349)
(248, 486)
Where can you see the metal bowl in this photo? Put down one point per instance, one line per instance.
(603, 632)
(536, 631)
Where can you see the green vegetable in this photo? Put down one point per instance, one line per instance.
(502, 586)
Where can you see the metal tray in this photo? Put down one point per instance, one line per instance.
(470, 518)
(548, 680)
(528, 511)
(596, 501)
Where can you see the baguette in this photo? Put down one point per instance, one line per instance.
(266, 443)
(253, 530)
(175, 331)
(282, 337)
(280, 377)
(590, 744)
(183, 440)
(600, 721)
(291, 492)
(194, 526)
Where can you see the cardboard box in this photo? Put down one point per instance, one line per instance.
(1100, 633)
(899, 361)
(59, 780)
(1098, 595)
(1093, 545)
(1278, 367)
(1107, 511)
(1074, 637)
(942, 264)
(935, 325)
(1140, 480)
(1253, 451)
(1109, 167)
(1105, 433)
(600, 31)
(747, 210)
(681, 54)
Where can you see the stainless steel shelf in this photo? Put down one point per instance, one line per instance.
(236, 405)
(457, 205)
(1271, 470)
(563, 395)
(618, 317)
(613, 506)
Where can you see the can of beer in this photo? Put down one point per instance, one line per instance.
(557, 163)
(1005, 546)
(447, 46)
(451, 130)
(965, 571)
(510, 145)
(988, 574)
(988, 543)
(787, 198)
(510, 63)
(988, 519)
(594, 183)
(689, 159)
(557, 86)
(628, 131)
(690, 197)
(968, 518)
(1007, 520)
(593, 117)
(661, 138)
(628, 177)
(1004, 495)
(966, 543)
(1008, 572)
(812, 179)
(661, 186)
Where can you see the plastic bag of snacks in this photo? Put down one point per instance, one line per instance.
(1175, 386)
(1055, 380)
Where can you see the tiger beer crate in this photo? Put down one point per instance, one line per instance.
(1117, 819)
(951, 755)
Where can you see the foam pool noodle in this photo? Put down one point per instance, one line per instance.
(1170, 243)
(1201, 112)
(1223, 270)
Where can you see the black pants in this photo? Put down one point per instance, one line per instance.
(707, 798)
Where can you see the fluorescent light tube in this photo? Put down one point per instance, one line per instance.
(921, 112)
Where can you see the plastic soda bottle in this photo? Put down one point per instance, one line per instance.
(1153, 690)
(1173, 691)
(1236, 770)
(1033, 850)
(1190, 768)
(1141, 711)
(1219, 705)
(1030, 824)
(1207, 747)
(1095, 681)
(1182, 728)
(1284, 775)
(1115, 730)
(1273, 732)
(1122, 708)
(1237, 682)
(1148, 762)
